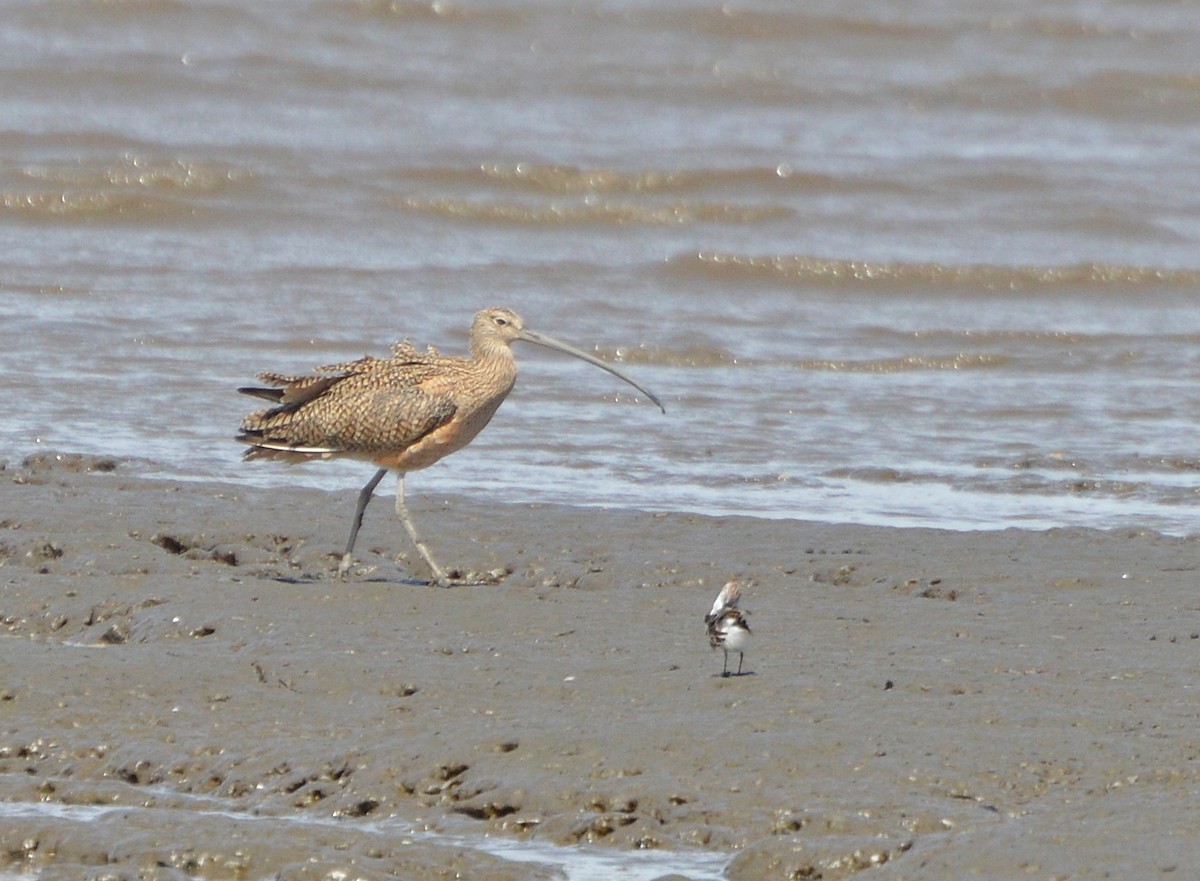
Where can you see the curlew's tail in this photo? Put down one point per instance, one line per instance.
(261, 448)
(275, 395)
(273, 433)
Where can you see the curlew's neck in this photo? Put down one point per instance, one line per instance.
(491, 348)
(493, 358)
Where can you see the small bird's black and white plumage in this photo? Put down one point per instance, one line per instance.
(727, 627)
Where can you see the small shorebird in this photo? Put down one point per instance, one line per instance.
(401, 413)
(727, 627)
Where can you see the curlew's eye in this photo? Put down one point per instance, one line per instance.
(502, 322)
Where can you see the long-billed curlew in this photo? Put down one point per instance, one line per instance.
(401, 413)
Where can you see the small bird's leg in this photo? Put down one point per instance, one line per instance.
(741, 657)
(439, 574)
(363, 498)
(725, 666)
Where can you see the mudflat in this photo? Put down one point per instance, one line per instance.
(188, 691)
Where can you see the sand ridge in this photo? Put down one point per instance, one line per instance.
(922, 704)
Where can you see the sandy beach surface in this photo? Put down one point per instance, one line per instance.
(188, 692)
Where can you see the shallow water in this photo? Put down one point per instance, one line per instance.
(884, 263)
(581, 863)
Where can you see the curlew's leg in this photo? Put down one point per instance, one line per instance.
(439, 574)
(363, 498)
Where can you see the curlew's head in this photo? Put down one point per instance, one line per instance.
(495, 329)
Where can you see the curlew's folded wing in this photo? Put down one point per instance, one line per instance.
(374, 404)
(292, 391)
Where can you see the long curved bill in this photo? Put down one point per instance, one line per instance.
(550, 343)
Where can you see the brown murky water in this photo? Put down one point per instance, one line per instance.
(891, 264)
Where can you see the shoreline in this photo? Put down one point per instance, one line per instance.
(925, 703)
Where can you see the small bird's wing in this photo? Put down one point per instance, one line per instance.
(721, 624)
(726, 599)
(716, 634)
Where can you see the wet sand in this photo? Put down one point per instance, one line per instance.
(921, 704)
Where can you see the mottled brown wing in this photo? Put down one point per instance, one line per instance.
(377, 407)
(295, 391)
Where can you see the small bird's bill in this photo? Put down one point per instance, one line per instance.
(550, 343)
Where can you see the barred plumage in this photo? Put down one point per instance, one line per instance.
(402, 413)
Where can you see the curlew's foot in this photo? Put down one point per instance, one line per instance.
(458, 578)
(437, 577)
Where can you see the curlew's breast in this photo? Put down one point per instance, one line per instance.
(462, 428)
